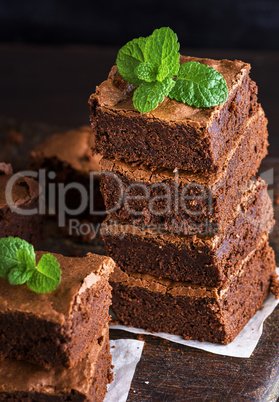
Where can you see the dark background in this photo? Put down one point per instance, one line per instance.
(241, 24)
(53, 53)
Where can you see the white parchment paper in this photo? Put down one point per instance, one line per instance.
(242, 346)
(126, 354)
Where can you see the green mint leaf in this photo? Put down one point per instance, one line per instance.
(146, 72)
(9, 258)
(129, 57)
(18, 265)
(47, 276)
(199, 85)
(151, 64)
(21, 273)
(149, 94)
(162, 50)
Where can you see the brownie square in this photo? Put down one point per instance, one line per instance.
(21, 381)
(214, 314)
(57, 328)
(25, 194)
(207, 261)
(69, 156)
(72, 149)
(185, 203)
(174, 135)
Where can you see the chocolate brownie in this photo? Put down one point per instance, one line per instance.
(174, 135)
(196, 312)
(69, 155)
(185, 203)
(21, 381)
(57, 328)
(25, 196)
(208, 261)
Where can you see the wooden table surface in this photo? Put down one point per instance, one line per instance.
(45, 90)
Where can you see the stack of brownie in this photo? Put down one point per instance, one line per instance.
(55, 347)
(188, 224)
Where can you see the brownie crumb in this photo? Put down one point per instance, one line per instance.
(6, 169)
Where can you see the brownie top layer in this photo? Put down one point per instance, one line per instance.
(78, 274)
(185, 289)
(72, 147)
(20, 376)
(24, 191)
(144, 173)
(116, 94)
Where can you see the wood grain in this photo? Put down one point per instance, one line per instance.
(179, 373)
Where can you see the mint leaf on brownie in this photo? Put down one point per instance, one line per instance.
(146, 72)
(47, 276)
(162, 49)
(25, 268)
(128, 59)
(18, 266)
(199, 85)
(9, 247)
(145, 62)
(149, 94)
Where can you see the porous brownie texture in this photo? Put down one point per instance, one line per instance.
(174, 135)
(57, 328)
(208, 261)
(203, 313)
(25, 196)
(185, 203)
(21, 381)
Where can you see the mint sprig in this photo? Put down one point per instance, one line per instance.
(152, 65)
(9, 258)
(162, 50)
(47, 275)
(24, 269)
(146, 72)
(128, 59)
(18, 266)
(199, 85)
(149, 94)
